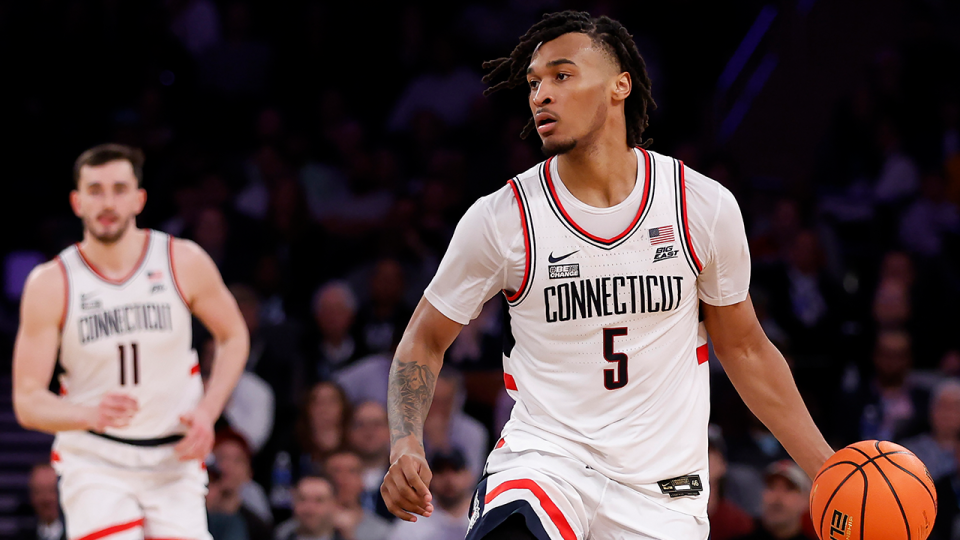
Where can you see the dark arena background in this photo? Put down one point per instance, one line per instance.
(323, 152)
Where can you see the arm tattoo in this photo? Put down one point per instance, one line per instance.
(410, 393)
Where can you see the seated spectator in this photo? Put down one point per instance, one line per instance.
(937, 448)
(332, 344)
(382, 320)
(727, 520)
(314, 509)
(321, 427)
(889, 406)
(785, 502)
(352, 520)
(447, 427)
(232, 457)
(369, 437)
(45, 504)
(227, 517)
(452, 488)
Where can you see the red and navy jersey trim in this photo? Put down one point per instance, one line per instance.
(126, 279)
(649, 184)
(681, 188)
(529, 244)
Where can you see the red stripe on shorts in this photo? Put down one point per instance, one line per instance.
(195, 369)
(500, 443)
(509, 382)
(54, 456)
(112, 530)
(702, 354)
(566, 531)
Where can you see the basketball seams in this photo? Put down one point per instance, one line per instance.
(917, 478)
(903, 513)
(840, 485)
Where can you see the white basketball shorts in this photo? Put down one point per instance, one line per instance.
(116, 491)
(562, 499)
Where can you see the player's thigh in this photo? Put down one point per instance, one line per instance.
(174, 503)
(513, 528)
(626, 514)
(98, 501)
(552, 495)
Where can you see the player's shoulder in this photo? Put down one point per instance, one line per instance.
(700, 191)
(46, 284)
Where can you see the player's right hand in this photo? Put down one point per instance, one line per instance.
(404, 487)
(115, 410)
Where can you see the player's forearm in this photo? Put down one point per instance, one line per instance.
(413, 377)
(229, 362)
(764, 381)
(41, 410)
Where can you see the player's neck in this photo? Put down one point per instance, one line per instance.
(601, 174)
(118, 259)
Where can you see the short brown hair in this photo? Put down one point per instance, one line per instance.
(105, 153)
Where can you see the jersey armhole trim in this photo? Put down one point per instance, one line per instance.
(528, 246)
(173, 273)
(66, 293)
(682, 195)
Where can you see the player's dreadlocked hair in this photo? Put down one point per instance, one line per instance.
(603, 30)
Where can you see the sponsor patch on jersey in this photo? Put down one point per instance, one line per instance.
(682, 486)
(664, 253)
(560, 271)
(89, 303)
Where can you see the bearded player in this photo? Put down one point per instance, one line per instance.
(133, 422)
(608, 255)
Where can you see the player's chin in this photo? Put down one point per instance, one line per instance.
(554, 146)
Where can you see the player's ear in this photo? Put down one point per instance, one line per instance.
(75, 202)
(622, 86)
(141, 199)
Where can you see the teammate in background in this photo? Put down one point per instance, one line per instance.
(133, 423)
(608, 255)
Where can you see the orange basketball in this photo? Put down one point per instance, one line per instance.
(874, 490)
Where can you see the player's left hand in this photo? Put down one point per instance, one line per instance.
(198, 442)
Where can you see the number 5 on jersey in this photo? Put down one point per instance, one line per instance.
(135, 368)
(613, 379)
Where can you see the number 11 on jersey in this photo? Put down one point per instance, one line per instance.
(123, 364)
(613, 379)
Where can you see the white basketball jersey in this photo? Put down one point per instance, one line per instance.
(132, 336)
(605, 349)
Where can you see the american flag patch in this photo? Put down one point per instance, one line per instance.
(154, 275)
(661, 235)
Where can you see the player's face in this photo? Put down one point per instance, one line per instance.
(108, 199)
(573, 85)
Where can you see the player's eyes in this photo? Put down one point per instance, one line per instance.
(562, 76)
(534, 84)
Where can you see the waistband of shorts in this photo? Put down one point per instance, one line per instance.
(160, 441)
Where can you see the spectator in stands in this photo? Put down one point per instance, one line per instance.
(727, 520)
(937, 448)
(321, 427)
(447, 427)
(369, 437)
(890, 405)
(332, 344)
(383, 318)
(314, 508)
(227, 516)
(785, 501)
(452, 489)
(352, 520)
(232, 457)
(45, 504)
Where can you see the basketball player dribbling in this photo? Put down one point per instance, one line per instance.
(609, 255)
(133, 422)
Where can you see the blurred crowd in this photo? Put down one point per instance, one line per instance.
(325, 177)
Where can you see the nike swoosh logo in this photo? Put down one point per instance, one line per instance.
(553, 259)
